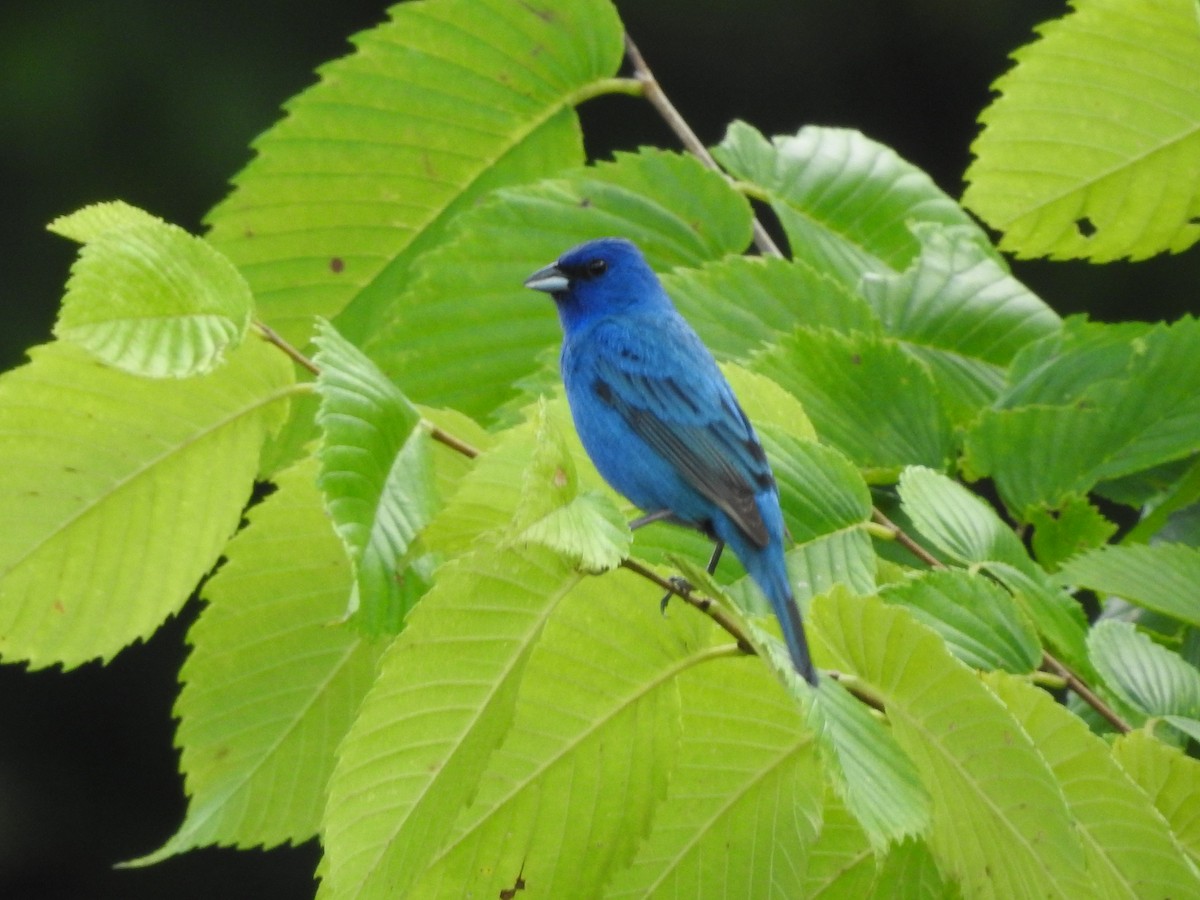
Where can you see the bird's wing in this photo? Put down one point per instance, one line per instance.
(664, 383)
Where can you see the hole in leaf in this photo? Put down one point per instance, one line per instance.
(1085, 226)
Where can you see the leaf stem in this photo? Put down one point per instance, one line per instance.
(657, 98)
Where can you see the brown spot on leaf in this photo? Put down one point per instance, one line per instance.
(560, 477)
(337, 265)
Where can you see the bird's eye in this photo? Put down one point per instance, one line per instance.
(596, 267)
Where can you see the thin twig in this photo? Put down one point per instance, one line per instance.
(704, 604)
(455, 444)
(905, 540)
(654, 93)
(271, 336)
(1085, 693)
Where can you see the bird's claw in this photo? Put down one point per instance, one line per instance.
(680, 584)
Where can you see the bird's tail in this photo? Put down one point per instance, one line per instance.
(768, 568)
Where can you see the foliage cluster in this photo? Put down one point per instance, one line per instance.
(435, 645)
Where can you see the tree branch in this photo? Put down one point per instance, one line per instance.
(271, 336)
(654, 93)
(704, 604)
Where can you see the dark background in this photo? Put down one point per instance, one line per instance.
(156, 103)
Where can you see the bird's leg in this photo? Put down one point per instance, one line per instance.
(656, 516)
(683, 584)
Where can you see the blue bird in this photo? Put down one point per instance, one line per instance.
(660, 421)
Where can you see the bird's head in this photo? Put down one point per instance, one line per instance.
(599, 278)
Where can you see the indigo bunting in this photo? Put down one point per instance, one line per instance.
(659, 420)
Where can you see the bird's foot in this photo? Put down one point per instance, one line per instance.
(681, 585)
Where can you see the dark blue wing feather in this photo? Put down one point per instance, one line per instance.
(664, 383)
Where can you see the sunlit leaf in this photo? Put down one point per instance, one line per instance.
(991, 789)
(745, 795)
(1129, 849)
(436, 107)
(148, 297)
(1170, 779)
(272, 683)
(426, 728)
(1092, 148)
(119, 492)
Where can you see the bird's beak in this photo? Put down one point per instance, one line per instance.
(549, 279)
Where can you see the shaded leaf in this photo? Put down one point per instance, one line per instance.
(846, 202)
(865, 396)
(119, 493)
(1161, 577)
(1146, 675)
(1092, 148)
(377, 478)
(738, 303)
(959, 310)
(980, 622)
(1075, 527)
(468, 292)
(1091, 409)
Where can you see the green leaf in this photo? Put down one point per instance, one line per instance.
(97, 219)
(865, 396)
(959, 310)
(1161, 577)
(271, 685)
(841, 863)
(959, 523)
(847, 203)
(597, 728)
(1092, 148)
(1170, 779)
(1146, 675)
(980, 622)
(1094, 404)
(1062, 533)
(872, 775)
(1000, 824)
(962, 526)
(738, 303)
(745, 795)
(377, 478)
(586, 527)
(910, 872)
(438, 106)
(147, 297)
(1130, 851)
(119, 492)
(443, 700)
(468, 291)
